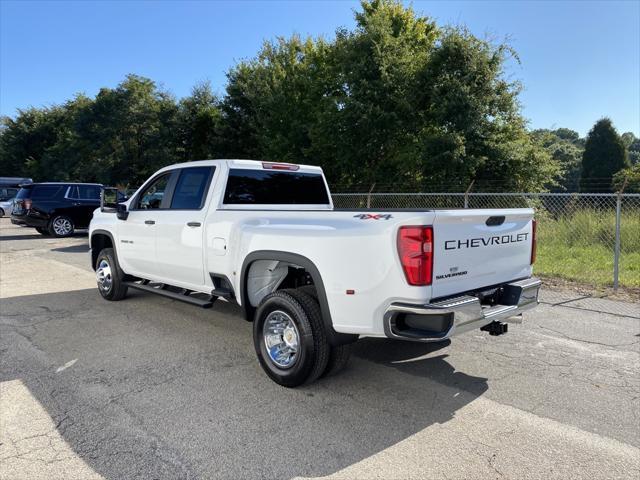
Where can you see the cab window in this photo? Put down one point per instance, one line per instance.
(191, 188)
(152, 196)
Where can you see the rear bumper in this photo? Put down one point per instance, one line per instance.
(28, 221)
(438, 321)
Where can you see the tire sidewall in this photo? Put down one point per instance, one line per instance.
(298, 373)
(52, 230)
(105, 255)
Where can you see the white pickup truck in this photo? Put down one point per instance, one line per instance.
(311, 278)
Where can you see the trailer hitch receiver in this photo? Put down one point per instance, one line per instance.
(496, 328)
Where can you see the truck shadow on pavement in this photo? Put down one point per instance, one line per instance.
(152, 388)
(81, 248)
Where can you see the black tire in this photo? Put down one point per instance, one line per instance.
(338, 359)
(55, 228)
(309, 290)
(42, 231)
(116, 289)
(338, 356)
(1, 212)
(313, 350)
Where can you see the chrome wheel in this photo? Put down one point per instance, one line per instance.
(281, 338)
(62, 226)
(103, 275)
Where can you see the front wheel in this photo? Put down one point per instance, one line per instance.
(1, 212)
(108, 276)
(61, 226)
(289, 338)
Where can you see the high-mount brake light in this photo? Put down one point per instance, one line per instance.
(280, 166)
(533, 241)
(415, 248)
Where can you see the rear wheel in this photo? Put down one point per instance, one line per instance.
(61, 226)
(42, 231)
(289, 338)
(338, 359)
(109, 277)
(338, 356)
(1, 212)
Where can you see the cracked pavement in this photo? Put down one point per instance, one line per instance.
(149, 388)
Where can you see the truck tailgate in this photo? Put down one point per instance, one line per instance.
(480, 248)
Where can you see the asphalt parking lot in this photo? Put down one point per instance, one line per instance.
(149, 388)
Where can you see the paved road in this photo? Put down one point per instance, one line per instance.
(155, 389)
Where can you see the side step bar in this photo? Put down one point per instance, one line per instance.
(181, 297)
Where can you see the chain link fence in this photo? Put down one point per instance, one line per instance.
(592, 239)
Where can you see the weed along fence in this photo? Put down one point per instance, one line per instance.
(591, 238)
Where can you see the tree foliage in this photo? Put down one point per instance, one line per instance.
(604, 155)
(565, 146)
(396, 100)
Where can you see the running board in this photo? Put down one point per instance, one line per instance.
(181, 297)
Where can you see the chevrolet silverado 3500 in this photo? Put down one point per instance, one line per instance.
(313, 279)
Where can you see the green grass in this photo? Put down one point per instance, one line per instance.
(579, 247)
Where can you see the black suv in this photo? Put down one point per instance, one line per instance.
(56, 208)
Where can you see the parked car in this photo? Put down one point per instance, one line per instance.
(6, 200)
(56, 209)
(9, 187)
(313, 279)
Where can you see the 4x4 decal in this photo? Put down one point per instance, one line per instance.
(373, 216)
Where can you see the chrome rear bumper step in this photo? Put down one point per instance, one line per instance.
(438, 321)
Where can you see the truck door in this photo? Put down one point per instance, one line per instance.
(180, 228)
(137, 235)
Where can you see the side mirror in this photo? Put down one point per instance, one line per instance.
(108, 199)
(121, 211)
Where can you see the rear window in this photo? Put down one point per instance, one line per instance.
(39, 192)
(263, 187)
(24, 193)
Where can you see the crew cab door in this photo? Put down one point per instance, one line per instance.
(137, 235)
(180, 228)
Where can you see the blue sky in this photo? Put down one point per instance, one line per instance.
(580, 60)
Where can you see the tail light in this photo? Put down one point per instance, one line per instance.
(415, 247)
(533, 241)
(27, 204)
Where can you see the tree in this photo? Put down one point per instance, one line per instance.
(604, 155)
(199, 124)
(26, 141)
(633, 146)
(564, 146)
(396, 100)
(126, 134)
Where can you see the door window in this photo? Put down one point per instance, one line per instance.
(88, 192)
(191, 188)
(152, 196)
(72, 193)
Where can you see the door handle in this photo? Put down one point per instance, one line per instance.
(194, 224)
(149, 222)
